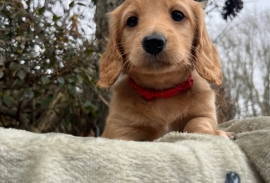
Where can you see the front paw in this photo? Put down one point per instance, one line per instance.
(229, 135)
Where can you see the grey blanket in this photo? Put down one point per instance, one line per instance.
(176, 157)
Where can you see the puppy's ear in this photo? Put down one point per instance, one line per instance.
(111, 61)
(203, 4)
(206, 58)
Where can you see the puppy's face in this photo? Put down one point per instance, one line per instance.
(157, 35)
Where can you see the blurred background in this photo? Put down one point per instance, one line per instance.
(49, 52)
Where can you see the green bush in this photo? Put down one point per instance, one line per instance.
(48, 69)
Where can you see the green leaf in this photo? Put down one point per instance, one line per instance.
(76, 70)
(81, 4)
(79, 78)
(45, 80)
(20, 82)
(2, 6)
(1, 74)
(7, 36)
(90, 107)
(55, 18)
(9, 101)
(27, 69)
(41, 10)
(71, 80)
(61, 80)
(72, 88)
(13, 65)
(71, 4)
(15, 82)
(89, 52)
(37, 94)
(28, 93)
(21, 74)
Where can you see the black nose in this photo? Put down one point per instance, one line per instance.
(154, 44)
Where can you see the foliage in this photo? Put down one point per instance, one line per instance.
(246, 62)
(47, 68)
(230, 9)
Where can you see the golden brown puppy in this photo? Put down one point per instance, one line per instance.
(163, 50)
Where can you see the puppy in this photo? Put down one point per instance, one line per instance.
(164, 52)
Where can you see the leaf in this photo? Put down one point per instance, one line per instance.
(28, 93)
(37, 93)
(13, 65)
(41, 10)
(21, 74)
(27, 69)
(15, 82)
(9, 101)
(90, 107)
(89, 51)
(2, 6)
(72, 88)
(45, 80)
(55, 18)
(71, 80)
(20, 82)
(71, 4)
(1, 74)
(7, 36)
(79, 78)
(81, 4)
(61, 80)
(76, 70)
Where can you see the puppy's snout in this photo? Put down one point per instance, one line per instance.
(154, 44)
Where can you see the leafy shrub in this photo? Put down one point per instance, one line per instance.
(48, 68)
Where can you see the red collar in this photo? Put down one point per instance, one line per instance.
(150, 94)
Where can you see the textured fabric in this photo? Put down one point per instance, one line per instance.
(176, 157)
(150, 94)
(253, 137)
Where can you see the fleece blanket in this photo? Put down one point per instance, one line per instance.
(176, 157)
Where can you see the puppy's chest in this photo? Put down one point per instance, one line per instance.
(160, 111)
(168, 110)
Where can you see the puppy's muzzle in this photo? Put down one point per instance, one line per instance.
(154, 44)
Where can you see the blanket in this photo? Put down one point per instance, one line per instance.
(176, 157)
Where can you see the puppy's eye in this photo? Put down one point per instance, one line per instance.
(177, 15)
(132, 21)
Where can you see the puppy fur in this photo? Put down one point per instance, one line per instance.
(188, 50)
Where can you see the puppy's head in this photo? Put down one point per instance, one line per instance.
(153, 37)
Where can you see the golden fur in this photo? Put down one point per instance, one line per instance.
(188, 50)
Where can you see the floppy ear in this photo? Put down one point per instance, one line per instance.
(205, 54)
(111, 61)
(203, 4)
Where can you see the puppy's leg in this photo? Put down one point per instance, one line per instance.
(118, 133)
(205, 125)
(130, 130)
(114, 130)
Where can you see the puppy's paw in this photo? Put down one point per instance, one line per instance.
(228, 135)
(231, 135)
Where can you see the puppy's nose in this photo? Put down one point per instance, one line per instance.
(154, 44)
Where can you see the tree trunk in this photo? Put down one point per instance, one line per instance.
(52, 116)
(102, 30)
